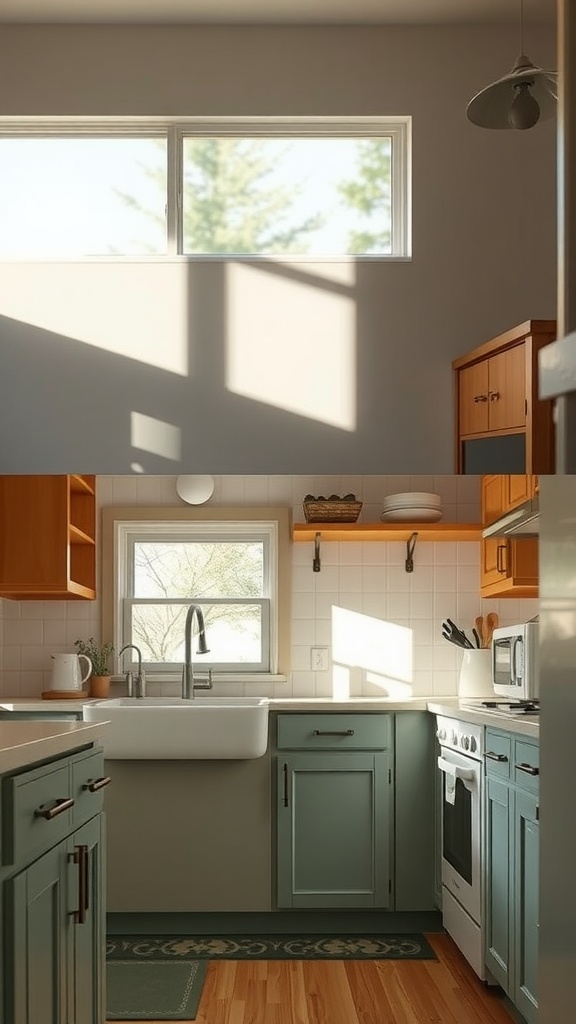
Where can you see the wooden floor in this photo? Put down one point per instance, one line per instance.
(445, 991)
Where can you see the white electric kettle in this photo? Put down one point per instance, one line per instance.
(67, 672)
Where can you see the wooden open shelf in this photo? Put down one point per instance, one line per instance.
(387, 531)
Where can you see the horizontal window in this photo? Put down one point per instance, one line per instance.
(316, 188)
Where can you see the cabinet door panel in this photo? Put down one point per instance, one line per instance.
(85, 988)
(526, 905)
(507, 389)
(473, 398)
(333, 831)
(36, 947)
(498, 930)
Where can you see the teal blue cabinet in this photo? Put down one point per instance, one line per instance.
(52, 965)
(333, 811)
(511, 858)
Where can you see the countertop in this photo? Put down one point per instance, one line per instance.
(24, 743)
(451, 707)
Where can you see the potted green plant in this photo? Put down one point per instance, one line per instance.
(99, 654)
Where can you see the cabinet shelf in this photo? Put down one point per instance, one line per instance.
(387, 531)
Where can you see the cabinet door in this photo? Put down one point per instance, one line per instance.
(507, 389)
(473, 398)
(520, 487)
(334, 830)
(86, 924)
(36, 958)
(526, 904)
(498, 849)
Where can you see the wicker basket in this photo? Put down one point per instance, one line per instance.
(331, 511)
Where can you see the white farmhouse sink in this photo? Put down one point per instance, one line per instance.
(215, 728)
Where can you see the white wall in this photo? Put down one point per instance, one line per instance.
(366, 578)
(113, 344)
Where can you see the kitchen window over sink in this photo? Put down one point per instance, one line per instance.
(233, 563)
(305, 187)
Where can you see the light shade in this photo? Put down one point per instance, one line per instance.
(491, 107)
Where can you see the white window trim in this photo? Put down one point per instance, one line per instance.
(118, 523)
(174, 129)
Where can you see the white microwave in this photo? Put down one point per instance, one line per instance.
(515, 661)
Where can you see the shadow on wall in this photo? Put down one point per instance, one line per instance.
(235, 367)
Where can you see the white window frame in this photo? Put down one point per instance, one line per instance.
(121, 526)
(398, 128)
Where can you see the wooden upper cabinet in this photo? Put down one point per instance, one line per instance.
(48, 537)
(509, 565)
(501, 425)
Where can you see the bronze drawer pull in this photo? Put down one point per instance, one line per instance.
(81, 858)
(341, 732)
(501, 557)
(495, 757)
(530, 769)
(58, 807)
(95, 784)
(480, 398)
(285, 770)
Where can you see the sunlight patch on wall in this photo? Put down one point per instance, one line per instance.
(155, 436)
(383, 649)
(291, 339)
(135, 310)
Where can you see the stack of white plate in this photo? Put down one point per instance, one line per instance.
(412, 507)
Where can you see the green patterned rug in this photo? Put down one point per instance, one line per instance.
(155, 988)
(269, 947)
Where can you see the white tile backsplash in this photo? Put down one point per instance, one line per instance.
(364, 577)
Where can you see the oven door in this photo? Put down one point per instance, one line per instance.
(461, 834)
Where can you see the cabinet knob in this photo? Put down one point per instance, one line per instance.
(494, 396)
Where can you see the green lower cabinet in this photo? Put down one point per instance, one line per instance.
(498, 897)
(54, 934)
(511, 878)
(526, 830)
(334, 830)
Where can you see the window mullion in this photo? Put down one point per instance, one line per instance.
(174, 191)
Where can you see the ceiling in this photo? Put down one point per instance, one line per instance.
(434, 12)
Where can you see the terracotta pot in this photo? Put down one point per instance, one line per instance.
(99, 686)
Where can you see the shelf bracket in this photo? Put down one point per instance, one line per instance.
(410, 545)
(316, 560)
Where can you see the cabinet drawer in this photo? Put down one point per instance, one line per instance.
(498, 754)
(526, 765)
(32, 820)
(88, 785)
(333, 731)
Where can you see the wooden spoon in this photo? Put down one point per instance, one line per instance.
(479, 623)
(492, 621)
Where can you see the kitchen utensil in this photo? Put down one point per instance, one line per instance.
(479, 623)
(454, 635)
(475, 674)
(492, 621)
(67, 671)
(476, 637)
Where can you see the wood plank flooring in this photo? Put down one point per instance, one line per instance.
(445, 991)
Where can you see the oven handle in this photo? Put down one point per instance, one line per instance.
(467, 775)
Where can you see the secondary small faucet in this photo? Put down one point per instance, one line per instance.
(136, 687)
(188, 684)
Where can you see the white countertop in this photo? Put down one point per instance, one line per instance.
(451, 707)
(23, 743)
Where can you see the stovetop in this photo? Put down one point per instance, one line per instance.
(505, 707)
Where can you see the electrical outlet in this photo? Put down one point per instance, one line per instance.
(318, 658)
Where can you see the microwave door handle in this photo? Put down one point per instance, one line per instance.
(513, 662)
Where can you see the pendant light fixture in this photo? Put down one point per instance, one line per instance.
(525, 95)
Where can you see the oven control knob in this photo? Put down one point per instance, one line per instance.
(465, 742)
(473, 744)
(441, 734)
(454, 737)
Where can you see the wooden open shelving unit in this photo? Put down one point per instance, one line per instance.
(387, 531)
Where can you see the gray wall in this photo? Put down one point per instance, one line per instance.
(108, 346)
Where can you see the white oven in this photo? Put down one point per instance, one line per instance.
(460, 763)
